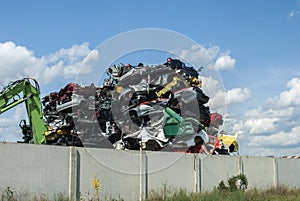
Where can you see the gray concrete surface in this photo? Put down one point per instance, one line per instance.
(214, 169)
(178, 169)
(118, 172)
(288, 172)
(34, 169)
(259, 171)
(49, 170)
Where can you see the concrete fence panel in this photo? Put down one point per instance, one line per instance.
(214, 169)
(172, 170)
(288, 172)
(260, 171)
(118, 171)
(34, 169)
(50, 170)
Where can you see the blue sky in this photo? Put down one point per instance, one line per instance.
(257, 42)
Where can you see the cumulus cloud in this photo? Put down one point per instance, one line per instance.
(73, 61)
(224, 62)
(237, 95)
(195, 54)
(289, 97)
(212, 57)
(15, 118)
(220, 98)
(17, 62)
(272, 128)
(213, 60)
(9, 130)
(261, 125)
(280, 139)
(269, 129)
(267, 112)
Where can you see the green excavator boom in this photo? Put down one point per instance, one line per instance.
(26, 90)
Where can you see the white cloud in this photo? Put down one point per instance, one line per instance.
(9, 130)
(52, 72)
(216, 92)
(224, 62)
(269, 112)
(211, 56)
(255, 122)
(268, 128)
(220, 98)
(82, 67)
(290, 97)
(261, 125)
(272, 128)
(15, 118)
(17, 62)
(237, 95)
(196, 54)
(279, 140)
(213, 60)
(78, 59)
(213, 51)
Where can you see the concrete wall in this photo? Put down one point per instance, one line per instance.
(260, 171)
(118, 172)
(132, 175)
(34, 169)
(165, 168)
(214, 169)
(288, 172)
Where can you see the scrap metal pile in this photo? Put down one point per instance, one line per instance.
(159, 107)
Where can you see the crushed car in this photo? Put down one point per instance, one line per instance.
(157, 107)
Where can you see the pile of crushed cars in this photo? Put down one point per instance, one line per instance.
(158, 107)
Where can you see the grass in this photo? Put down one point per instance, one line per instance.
(10, 195)
(278, 194)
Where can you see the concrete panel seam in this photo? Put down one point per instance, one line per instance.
(196, 172)
(275, 172)
(240, 166)
(200, 175)
(72, 173)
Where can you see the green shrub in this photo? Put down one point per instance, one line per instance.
(239, 182)
(8, 195)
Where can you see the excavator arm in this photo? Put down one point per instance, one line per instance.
(26, 91)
